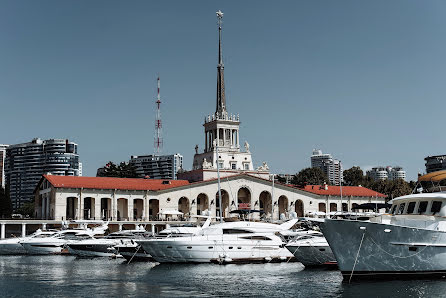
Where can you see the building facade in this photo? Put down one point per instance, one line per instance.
(330, 166)
(126, 199)
(386, 173)
(2, 164)
(26, 162)
(157, 166)
(435, 163)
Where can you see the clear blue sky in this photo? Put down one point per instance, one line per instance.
(362, 80)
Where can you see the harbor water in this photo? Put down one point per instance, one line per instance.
(57, 276)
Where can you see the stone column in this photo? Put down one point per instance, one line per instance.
(78, 207)
(81, 210)
(114, 206)
(206, 140)
(130, 209)
(238, 140)
(153, 229)
(44, 226)
(218, 137)
(2, 233)
(23, 229)
(97, 208)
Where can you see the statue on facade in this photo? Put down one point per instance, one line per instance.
(263, 167)
(206, 164)
(196, 149)
(247, 146)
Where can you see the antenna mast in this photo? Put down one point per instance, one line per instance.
(158, 142)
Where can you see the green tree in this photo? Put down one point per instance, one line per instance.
(123, 170)
(353, 176)
(5, 203)
(312, 176)
(27, 209)
(391, 189)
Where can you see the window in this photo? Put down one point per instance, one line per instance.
(436, 206)
(220, 165)
(422, 207)
(233, 166)
(235, 231)
(393, 209)
(401, 208)
(411, 207)
(246, 166)
(256, 238)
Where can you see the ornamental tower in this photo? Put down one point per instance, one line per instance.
(222, 129)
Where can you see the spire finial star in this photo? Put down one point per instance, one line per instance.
(219, 14)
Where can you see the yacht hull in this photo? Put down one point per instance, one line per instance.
(207, 251)
(97, 250)
(11, 246)
(43, 248)
(374, 250)
(315, 255)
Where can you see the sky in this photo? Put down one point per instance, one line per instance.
(362, 80)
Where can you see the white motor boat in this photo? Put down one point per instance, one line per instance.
(229, 242)
(12, 246)
(409, 242)
(104, 247)
(56, 243)
(311, 249)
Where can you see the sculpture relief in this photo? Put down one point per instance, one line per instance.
(247, 147)
(263, 167)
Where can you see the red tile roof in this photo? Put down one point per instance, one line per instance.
(112, 183)
(355, 191)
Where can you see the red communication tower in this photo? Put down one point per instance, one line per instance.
(158, 142)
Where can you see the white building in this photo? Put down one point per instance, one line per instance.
(386, 173)
(127, 199)
(157, 166)
(330, 166)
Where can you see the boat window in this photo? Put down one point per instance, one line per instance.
(401, 208)
(436, 206)
(189, 247)
(239, 247)
(235, 231)
(422, 207)
(230, 247)
(393, 209)
(411, 207)
(256, 238)
(210, 247)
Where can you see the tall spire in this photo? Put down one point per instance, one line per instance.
(221, 100)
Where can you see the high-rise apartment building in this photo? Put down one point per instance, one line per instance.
(331, 167)
(386, 173)
(157, 166)
(25, 163)
(435, 163)
(2, 164)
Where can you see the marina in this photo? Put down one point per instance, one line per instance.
(123, 221)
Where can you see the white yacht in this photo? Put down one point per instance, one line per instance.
(311, 249)
(12, 246)
(411, 241)
(55, 244)
(105, 247)
(228, 242)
